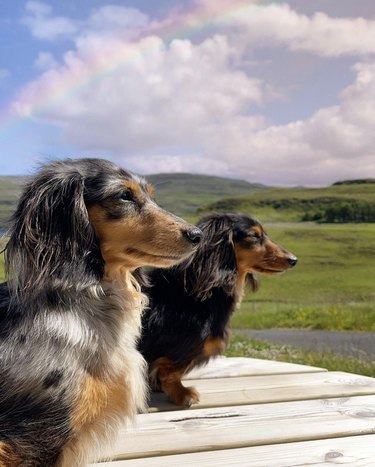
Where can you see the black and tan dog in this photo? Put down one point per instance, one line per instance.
(190, 305)
(70, 313)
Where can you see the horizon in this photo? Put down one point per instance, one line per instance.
(359, 180)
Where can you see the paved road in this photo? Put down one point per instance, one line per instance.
(358, 344)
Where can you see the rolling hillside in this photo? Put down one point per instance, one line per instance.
(297, 204)
(180, 193)
(190, 195)
(184, 193)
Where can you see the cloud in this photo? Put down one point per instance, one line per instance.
(110, 20)
(255, 25)
(114, 19)
(43, 25)
(161, 104)
(335, 142)
(320, 34)
(155, 95)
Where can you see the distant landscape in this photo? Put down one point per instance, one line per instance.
(192, 195)
(330, 229)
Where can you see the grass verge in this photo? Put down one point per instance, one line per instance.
(242, 346)
(358, 316)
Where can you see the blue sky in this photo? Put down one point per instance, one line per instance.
(274, 92)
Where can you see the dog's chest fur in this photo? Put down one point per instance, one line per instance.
(110, 372)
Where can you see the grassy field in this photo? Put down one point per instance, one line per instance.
(332, 286)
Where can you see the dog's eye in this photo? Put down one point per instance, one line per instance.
(255, 236)
(126, 195)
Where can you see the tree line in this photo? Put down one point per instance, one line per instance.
(342, 212)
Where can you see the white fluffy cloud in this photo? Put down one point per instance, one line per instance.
(109, 19)
(279, 25)
(162, 105)
(44, 25)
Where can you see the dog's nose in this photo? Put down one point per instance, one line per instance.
(194, 235)
(292, 260)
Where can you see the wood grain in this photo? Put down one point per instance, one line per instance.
(356, 451)
(221, 392)
(165, 433)
(223, 367)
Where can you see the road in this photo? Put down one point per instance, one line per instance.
(356, 344)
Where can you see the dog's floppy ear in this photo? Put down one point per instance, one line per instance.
(214, 263)
(51, 239)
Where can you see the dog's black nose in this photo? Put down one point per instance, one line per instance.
(293, 260)
(194, 235)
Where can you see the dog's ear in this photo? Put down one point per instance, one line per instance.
(52, 240)
(214, 263)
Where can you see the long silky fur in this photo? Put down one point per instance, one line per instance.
(195, 299)
(58, 314)
(214, 263)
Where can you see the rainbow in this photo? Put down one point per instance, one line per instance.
(190, 24)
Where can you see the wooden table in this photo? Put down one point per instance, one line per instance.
(257, 413)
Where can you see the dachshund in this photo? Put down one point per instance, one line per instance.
(70, 311)
(190, 305)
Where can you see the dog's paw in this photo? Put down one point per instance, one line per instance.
(185, 397)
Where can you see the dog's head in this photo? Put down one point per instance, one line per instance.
(232, 245)
(255, 251)
(133, 230)
(80, 219)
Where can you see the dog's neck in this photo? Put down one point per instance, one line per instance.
(119, 274)
(240, 287)
(121, 280)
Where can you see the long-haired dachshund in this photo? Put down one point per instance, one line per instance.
(190, 305)
(70, 313)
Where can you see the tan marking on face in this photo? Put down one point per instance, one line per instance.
(257, 229)
(134, 187)
(150, 190)
(150, 237)
(268, 258)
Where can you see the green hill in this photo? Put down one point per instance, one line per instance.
(181, 193)
(341, 202)
(184, 193)
(190, 195)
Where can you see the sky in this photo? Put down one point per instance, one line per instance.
(280, 93)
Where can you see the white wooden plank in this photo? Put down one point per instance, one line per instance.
(165, 433)
(221, 392)
(223, 367)
(356, 451)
